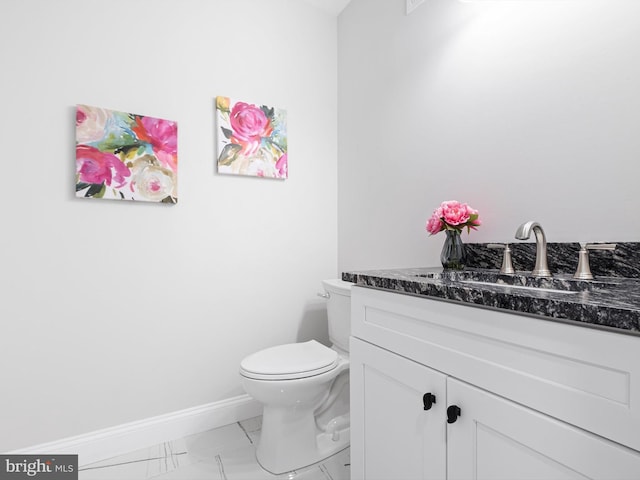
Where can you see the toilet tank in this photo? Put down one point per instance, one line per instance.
(339, 311)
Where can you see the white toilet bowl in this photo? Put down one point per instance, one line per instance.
(290, 437)
(304, 390)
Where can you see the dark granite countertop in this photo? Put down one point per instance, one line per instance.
(612, 303)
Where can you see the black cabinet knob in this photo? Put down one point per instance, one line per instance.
(453, 412)
(428, 399)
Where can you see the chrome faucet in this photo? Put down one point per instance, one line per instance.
(541, 269)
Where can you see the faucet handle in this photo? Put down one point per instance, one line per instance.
(583, 272)
(599, 246)
(507, 266)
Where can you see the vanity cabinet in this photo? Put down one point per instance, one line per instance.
(537, 399)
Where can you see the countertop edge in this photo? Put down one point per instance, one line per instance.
(615, 311)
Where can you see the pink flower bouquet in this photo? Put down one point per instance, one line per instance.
(453, 215)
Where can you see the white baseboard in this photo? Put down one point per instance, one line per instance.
(113, 441)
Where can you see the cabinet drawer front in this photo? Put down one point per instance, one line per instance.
(587, 377)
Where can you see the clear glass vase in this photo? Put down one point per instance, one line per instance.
(454, 254)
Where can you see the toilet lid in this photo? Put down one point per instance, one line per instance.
(290, 361)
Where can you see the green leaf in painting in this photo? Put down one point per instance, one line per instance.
(96, 190)
(267, 111)
(226, 132)
(169, 199)
(100, 194)
(113, 142)
(127, 152)
(82, 186)
(278, 142)
(229, 154)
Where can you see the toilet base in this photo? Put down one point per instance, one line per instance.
(290, 454)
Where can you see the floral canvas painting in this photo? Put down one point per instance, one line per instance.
(252, 139)
(124, 156)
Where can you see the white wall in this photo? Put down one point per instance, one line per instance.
(114, 311)
(525, 109)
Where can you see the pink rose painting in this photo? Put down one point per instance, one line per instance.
(124, 156)
(252, 139)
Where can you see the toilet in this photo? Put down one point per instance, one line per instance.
(304, 390)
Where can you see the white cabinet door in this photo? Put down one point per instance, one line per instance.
(393, 436)
(496, 439)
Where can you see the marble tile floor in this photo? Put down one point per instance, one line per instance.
(225, 453)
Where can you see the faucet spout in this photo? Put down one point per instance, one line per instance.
(541, 268)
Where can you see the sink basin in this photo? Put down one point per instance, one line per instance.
(519, 281)
(519, 287)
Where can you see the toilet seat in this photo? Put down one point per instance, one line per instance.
(290, 361)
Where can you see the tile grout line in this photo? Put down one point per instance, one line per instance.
(167, 451)
(221, 467)
(129, 462)
(324, 470)
(175, 463)
(245, 432)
